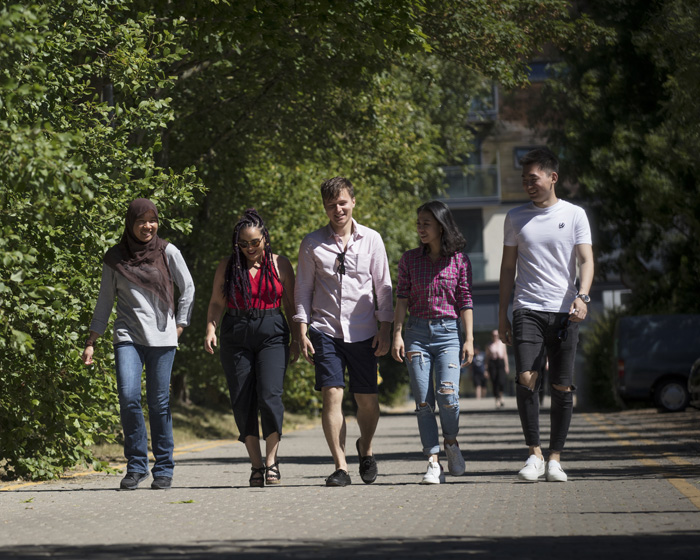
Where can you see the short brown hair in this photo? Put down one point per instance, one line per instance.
(331, 188)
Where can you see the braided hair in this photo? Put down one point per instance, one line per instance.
(237, 279)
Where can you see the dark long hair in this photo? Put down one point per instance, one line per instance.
(451, 240)
(237, 279)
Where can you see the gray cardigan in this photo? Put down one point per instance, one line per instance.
(138, 318)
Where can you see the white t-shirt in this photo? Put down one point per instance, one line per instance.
(546, 239)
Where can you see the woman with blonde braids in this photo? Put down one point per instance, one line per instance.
(250, 286)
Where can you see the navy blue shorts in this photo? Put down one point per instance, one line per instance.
(539, 335)
(333, 355)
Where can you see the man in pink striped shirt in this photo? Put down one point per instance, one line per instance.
(343, 288)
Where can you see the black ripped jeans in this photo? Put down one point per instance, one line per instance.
(537, 336)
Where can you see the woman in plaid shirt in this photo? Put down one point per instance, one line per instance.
(434, 284)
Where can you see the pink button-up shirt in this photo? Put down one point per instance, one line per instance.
(343, 305)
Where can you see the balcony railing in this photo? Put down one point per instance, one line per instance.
(472, 181)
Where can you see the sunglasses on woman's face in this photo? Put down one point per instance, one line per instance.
(252, 243)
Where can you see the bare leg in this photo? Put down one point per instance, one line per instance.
(367, 419)
(272, 444)
(272, 474)
(252, 445)
(334, 427)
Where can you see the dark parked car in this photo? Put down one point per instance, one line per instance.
(654, 354)
(694, 383)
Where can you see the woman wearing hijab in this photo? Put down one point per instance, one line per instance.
(139, 272)
(250, 286)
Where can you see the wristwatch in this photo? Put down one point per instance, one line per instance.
(584, 297)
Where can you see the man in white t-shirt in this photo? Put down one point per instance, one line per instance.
(543, 240)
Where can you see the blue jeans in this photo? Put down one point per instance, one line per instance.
(158, 360)
(432, 357)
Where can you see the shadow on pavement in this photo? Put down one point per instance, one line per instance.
(676, 545)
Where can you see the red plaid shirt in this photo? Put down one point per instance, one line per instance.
(435, 290)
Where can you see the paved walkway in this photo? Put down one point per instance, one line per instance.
(634, 492)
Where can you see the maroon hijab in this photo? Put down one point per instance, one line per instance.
(143, 264)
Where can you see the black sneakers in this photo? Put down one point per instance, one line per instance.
(339, 478)
(132, 480)
(162, 483)
(368, 466)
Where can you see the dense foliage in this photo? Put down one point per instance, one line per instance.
(69, 163)
(104, 100)
(626, 113)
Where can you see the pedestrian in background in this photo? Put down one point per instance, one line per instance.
(139, 272)
(479, 374)
(543, 241)
(434, 285)
(250, 286)
(497, 364)
(343, 289)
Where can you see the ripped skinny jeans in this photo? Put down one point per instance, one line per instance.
(432, 358)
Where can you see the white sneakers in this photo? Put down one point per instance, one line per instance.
(455, 464)
(455, 461)
(535, 468)
(434, 475)
(554, 472)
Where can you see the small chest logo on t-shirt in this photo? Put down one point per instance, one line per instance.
(561, 225)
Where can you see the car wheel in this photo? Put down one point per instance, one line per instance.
(671, 395)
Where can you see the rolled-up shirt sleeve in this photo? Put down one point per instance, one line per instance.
(183, 279)
(381, 278)
(304, 283)
(403, 280)
(464, 284)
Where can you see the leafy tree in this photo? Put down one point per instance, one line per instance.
(71, 157)
(275, 96)
(628, 110)
(105, 100)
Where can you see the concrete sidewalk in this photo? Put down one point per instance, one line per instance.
(633, 492)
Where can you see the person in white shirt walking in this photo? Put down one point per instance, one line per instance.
(342, 270)
(543, 241)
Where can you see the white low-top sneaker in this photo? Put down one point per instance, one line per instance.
(533, 469)
(434, 475)
(455, 461)
(554, 472)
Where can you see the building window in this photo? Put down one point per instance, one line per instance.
(471, 223)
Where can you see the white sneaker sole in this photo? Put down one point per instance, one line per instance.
(559, 477)
(424, 481)
(526, 478)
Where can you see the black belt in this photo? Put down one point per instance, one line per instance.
(254, 313)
